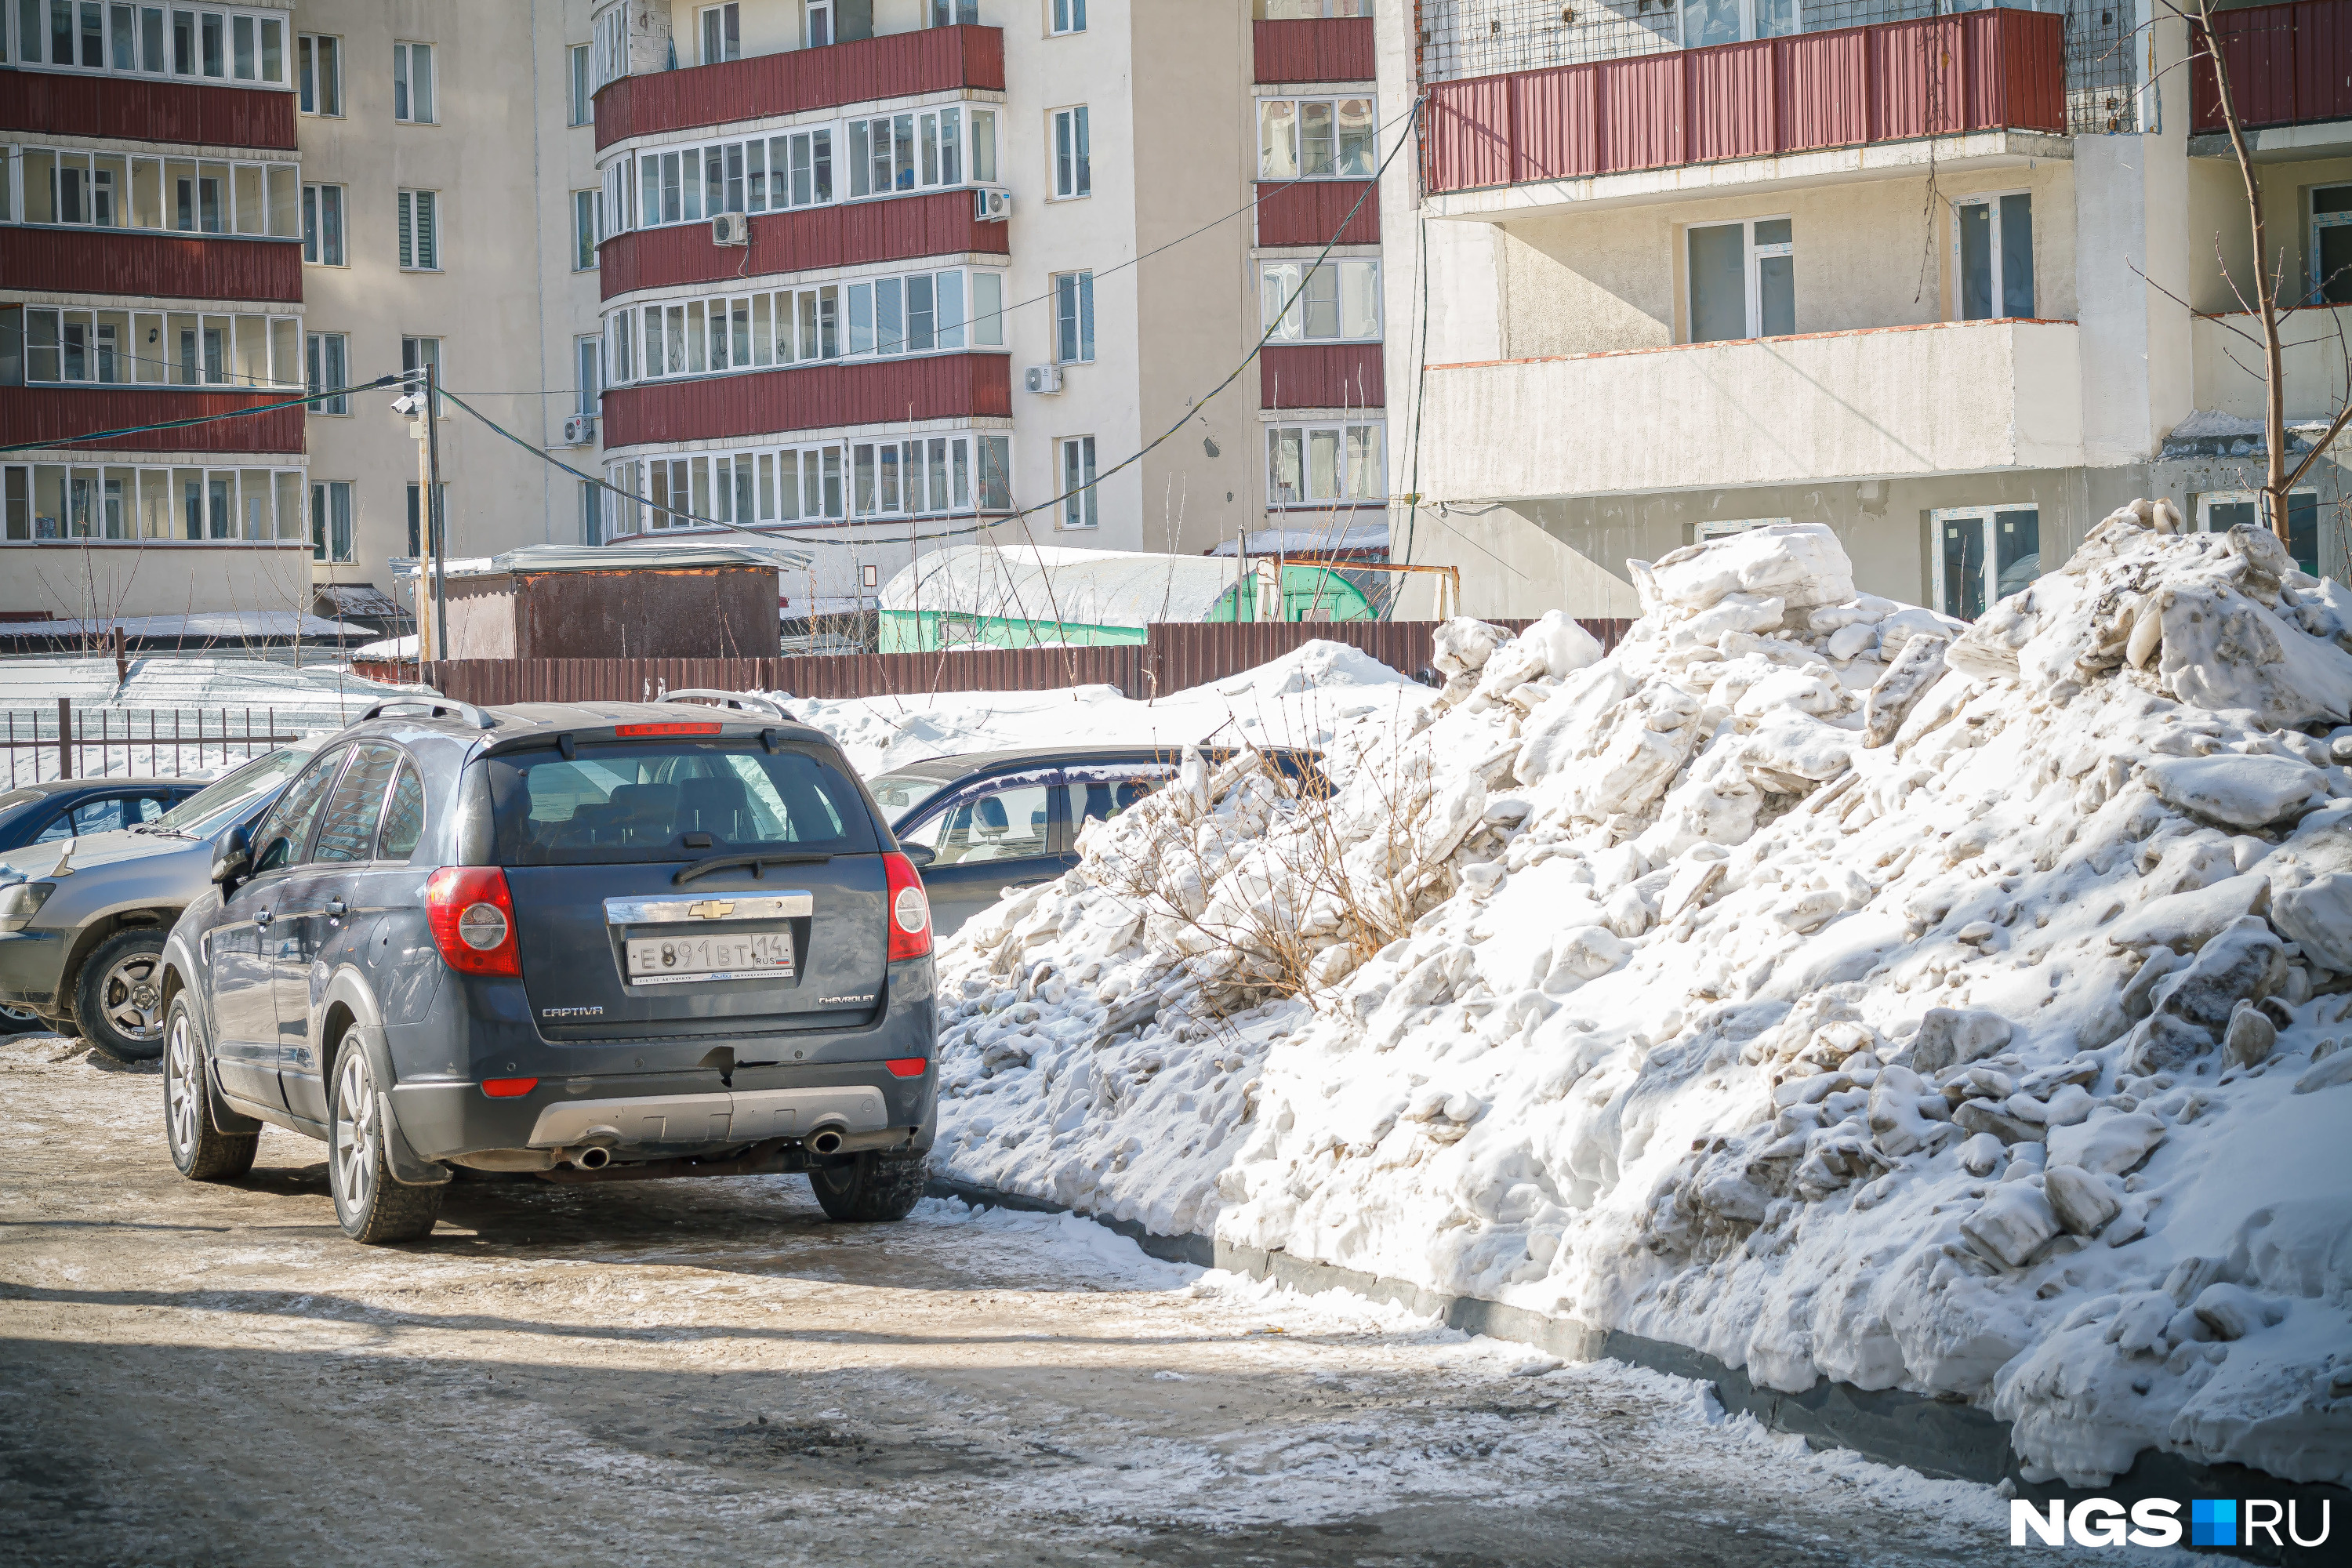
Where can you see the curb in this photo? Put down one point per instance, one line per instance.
(1944, 1438)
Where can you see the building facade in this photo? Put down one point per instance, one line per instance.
(1957, 285)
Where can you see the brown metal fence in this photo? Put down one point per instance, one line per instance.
(1175, 656)
(68, 742)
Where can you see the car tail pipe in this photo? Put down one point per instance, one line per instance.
(827, 1139)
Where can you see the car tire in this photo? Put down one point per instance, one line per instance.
(202, 1151)
(870, 1188)
(372, 1208)
(19, 1021)
(118, 1000)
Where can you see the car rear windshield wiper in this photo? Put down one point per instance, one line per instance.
(723, 862)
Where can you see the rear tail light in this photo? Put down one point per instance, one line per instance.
(909, 919)
(508, 1087)
(908, 1066)
(473, 920)
(633, 730)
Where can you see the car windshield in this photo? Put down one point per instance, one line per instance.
(212, 808)
(898, 793)
(626, 800)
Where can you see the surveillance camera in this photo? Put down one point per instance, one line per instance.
(407, 405)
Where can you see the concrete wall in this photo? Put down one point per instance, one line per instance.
(76, 579)
(2229, 367)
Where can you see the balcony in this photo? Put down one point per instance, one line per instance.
(2290, 77)
(1874, 403)
(1309, 212)
(1591, 131)
(2228, 373)
(54, 415)
(818, 397)
(141, 264)
(131, 108)
(901, 65)
(898, 230)
(1321, 375)
(1330, 48)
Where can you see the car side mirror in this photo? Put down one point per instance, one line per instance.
(233, 858)
(921, 854)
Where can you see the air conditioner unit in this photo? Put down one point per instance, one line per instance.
(1043, 379)
(990, 204)
(730, 228)
(580, 430)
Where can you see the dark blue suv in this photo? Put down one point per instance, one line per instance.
(583, 940)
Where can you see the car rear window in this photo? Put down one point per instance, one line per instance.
(671, 801)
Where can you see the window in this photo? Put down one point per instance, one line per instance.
(583, 229)
(917, 312)
(1708, 22)
(44, 500)
(347, 828)
(584, 89)
(1069, 16)
(243, 45)
(1316, 139)
(1007, 824)
(420, 354)
(919, 149)
(956, 13)
(587, 355)
(322, 225)
(417, 544)
(330, 520)
(608, 47)
(2331, 245)
(1724, 528)
(1078, 482)
(113, 190)
(1073, 318)
(404, 817)
(329, 357)
(1073, 167)
(420, 231)
(412, 83)
(592, 512)
(722, 32)
(159, 348)
(319, 73)
(1321, 465)
(1742, 280)
(1339, 301)
(283, 836)
(955, 473)
(820, 22)
(1983, 555)
(2223, 510)
(1994, 236)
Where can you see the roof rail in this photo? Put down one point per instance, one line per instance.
(434, 707)
(744, 699)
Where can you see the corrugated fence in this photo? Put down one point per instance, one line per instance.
(1175, 656)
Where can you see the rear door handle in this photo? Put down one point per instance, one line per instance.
(261, 917)
(337, 907)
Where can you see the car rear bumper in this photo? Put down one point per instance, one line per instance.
(656, 1115)
(30, 962)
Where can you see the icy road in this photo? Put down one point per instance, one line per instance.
(687, 1371)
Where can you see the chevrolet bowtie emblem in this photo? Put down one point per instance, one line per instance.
(711, 910)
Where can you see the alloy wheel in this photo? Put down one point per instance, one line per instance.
(133, 996)
(353, 1151)
(180, 1107)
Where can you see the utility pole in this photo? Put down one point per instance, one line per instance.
(433, 506)
(420, 430)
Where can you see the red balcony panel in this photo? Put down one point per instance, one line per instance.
(1320, 375)
(2287, 65)
(54, 415)
(1329, 49)
(1313, 211)
(139, 109)
(773, 402)
(1982, 72)
(895, 230)
(148, 265)
(931, 59)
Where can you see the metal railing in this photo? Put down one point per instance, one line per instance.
(69, 743)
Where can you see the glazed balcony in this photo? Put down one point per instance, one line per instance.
(146, 265)
(139, 108)
(1600, 131)
(812, 398)
(900, 65)
(57, 415)
(851, 233)
(1321, 48)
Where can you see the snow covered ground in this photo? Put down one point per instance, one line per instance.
(1811, 981)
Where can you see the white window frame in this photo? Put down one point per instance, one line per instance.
(713, 24)
(609, 45)
(588, 366)
(219, 40)
(1282, 153)
(817, 24)
(1073, 318)
(327, 361)
(1724, 528)
(581, 82)
(684, 336)
(417, 242)
(1991, 201)
(152, 506)
(809, 483)
(587, 223)
(414, 78)
(1784, 18)
(415, 353)
(319, 74)
(2319, 222)
(316, 200)
(1300, 434)
(2260, 501)
(1063, 18)
(1990, 515)
(125, 202)
(1752, 259)
(232, 348)
(324, 494)
(1069, 153)
(1074, 467)
(952, 13)
(1279, 283)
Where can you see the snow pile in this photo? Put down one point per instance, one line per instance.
(1302, 699)
(1813, 980)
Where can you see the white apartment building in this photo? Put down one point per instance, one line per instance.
(1953, 284)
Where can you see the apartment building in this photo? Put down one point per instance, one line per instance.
(1955, 285)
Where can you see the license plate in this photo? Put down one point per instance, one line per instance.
(728, 956)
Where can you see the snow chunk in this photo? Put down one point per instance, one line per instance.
(2242, 792)
(1801, 564)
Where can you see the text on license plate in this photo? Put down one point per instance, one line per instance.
(734, 955)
